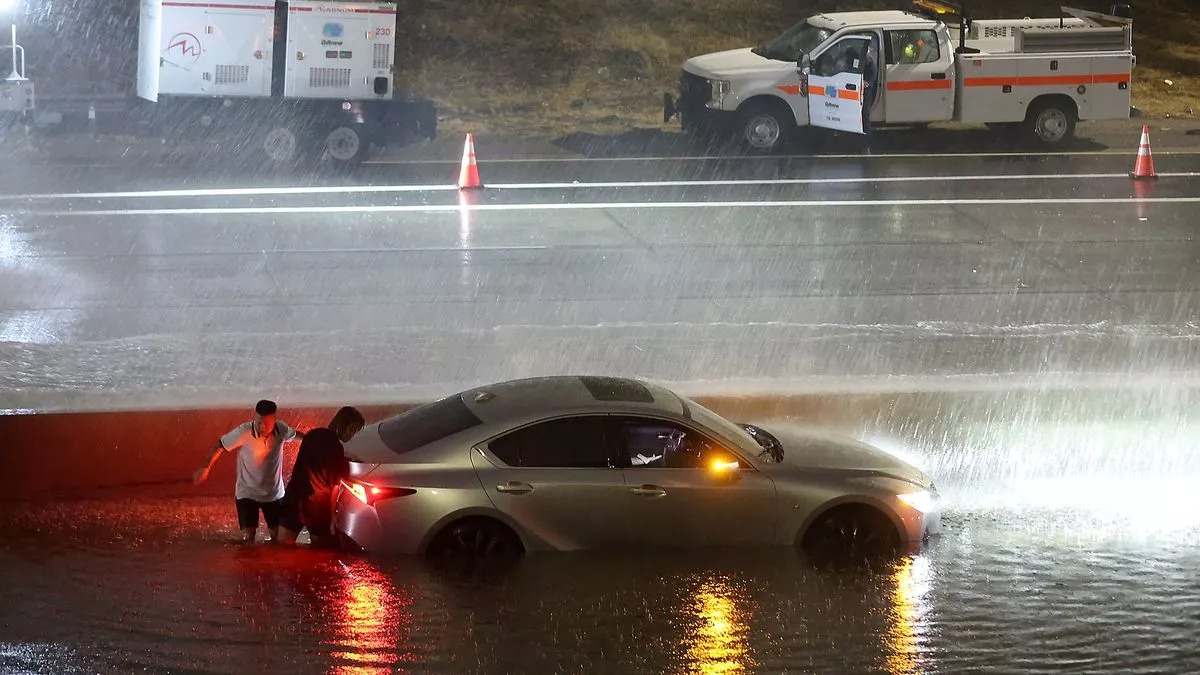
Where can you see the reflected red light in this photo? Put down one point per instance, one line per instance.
(373, 620)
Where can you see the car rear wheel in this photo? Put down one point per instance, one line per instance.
(475, 544)
(851, 533)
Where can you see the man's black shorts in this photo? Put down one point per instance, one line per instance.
(247, 512)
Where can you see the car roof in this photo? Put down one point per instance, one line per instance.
(838, 20)
(515, 400)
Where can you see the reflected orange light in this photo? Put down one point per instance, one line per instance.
(371, 619)
(907, 632)
(718, 638)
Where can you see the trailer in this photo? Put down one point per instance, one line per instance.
(283, 82)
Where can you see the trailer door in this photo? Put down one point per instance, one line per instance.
(835, 85)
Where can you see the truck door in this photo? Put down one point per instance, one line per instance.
(919, 77)
(835, 85)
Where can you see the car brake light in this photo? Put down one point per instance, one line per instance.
(372, 494)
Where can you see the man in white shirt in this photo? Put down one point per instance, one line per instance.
(259, 447)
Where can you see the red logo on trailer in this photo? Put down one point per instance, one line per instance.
(184, 45)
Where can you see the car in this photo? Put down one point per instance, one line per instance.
(571, 463)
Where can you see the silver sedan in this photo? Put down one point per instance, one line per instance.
(570, 463)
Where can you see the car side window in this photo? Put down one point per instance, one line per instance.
(912, 46)
(660, 444)
(846, 56)
(572, 442)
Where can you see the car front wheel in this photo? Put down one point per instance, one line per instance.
(851, 533)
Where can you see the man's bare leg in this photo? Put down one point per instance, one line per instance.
(248, 534)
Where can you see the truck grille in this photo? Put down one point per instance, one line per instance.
(694, 95)
(329, 78)
(694, 90)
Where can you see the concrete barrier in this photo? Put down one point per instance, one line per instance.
(960, 436)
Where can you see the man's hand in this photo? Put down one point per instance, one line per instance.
(200, 476)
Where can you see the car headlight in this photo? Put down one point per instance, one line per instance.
(720, 89)
(923, 501)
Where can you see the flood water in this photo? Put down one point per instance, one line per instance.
(157, 586)
(1071, 544)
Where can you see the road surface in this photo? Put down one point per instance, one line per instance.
(130, 282)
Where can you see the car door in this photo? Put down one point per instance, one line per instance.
(835, 85)
(919, 77)
(684, 489)
(559, 481)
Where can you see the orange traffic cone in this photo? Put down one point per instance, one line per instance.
(468, 174)
(1144, 167)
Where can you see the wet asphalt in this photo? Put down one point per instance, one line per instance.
(921, 261)
(1022, 326)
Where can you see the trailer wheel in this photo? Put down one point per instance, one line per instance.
(1052, 121)
(281, 146)
(347, 145)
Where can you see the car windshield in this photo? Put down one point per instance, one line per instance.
(794, 43)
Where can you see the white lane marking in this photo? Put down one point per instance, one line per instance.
(363, 189)
(601, 206)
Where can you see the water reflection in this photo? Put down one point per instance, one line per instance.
(718, 641)
(907, 633)
(372, 620)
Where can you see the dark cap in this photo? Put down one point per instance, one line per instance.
(265, 407)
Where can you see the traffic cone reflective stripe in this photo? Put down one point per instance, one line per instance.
(1144, 166)
(468, 174)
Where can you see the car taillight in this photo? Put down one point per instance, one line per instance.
(373, 494)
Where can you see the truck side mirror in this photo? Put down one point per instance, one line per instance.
(805, 65)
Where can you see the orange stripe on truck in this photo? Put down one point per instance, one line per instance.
(789, 89)
(918, 85)
(849, 95)
(1045, 80)
(816, 90)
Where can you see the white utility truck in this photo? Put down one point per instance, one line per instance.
(285, 81)
(1042, 75)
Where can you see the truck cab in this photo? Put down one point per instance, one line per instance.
(813, 75)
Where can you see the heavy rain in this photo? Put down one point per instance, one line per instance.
(380, 204)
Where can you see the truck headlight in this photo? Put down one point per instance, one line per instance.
(923, 501)
(720, 88)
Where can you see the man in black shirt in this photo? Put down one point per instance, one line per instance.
(320, 464)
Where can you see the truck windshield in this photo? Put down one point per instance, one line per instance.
(794, 43)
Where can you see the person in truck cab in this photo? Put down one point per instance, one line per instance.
(870, 75)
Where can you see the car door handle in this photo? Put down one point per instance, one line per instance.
(852, 87)
(937, 76)
(649, 491)
(513, 487)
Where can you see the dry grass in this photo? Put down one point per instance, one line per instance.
(551, 66)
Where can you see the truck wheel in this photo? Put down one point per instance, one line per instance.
(764, 128)
(347, 145)
(1051, 123)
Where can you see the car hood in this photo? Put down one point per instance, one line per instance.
(720, 65)
(804, 449)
